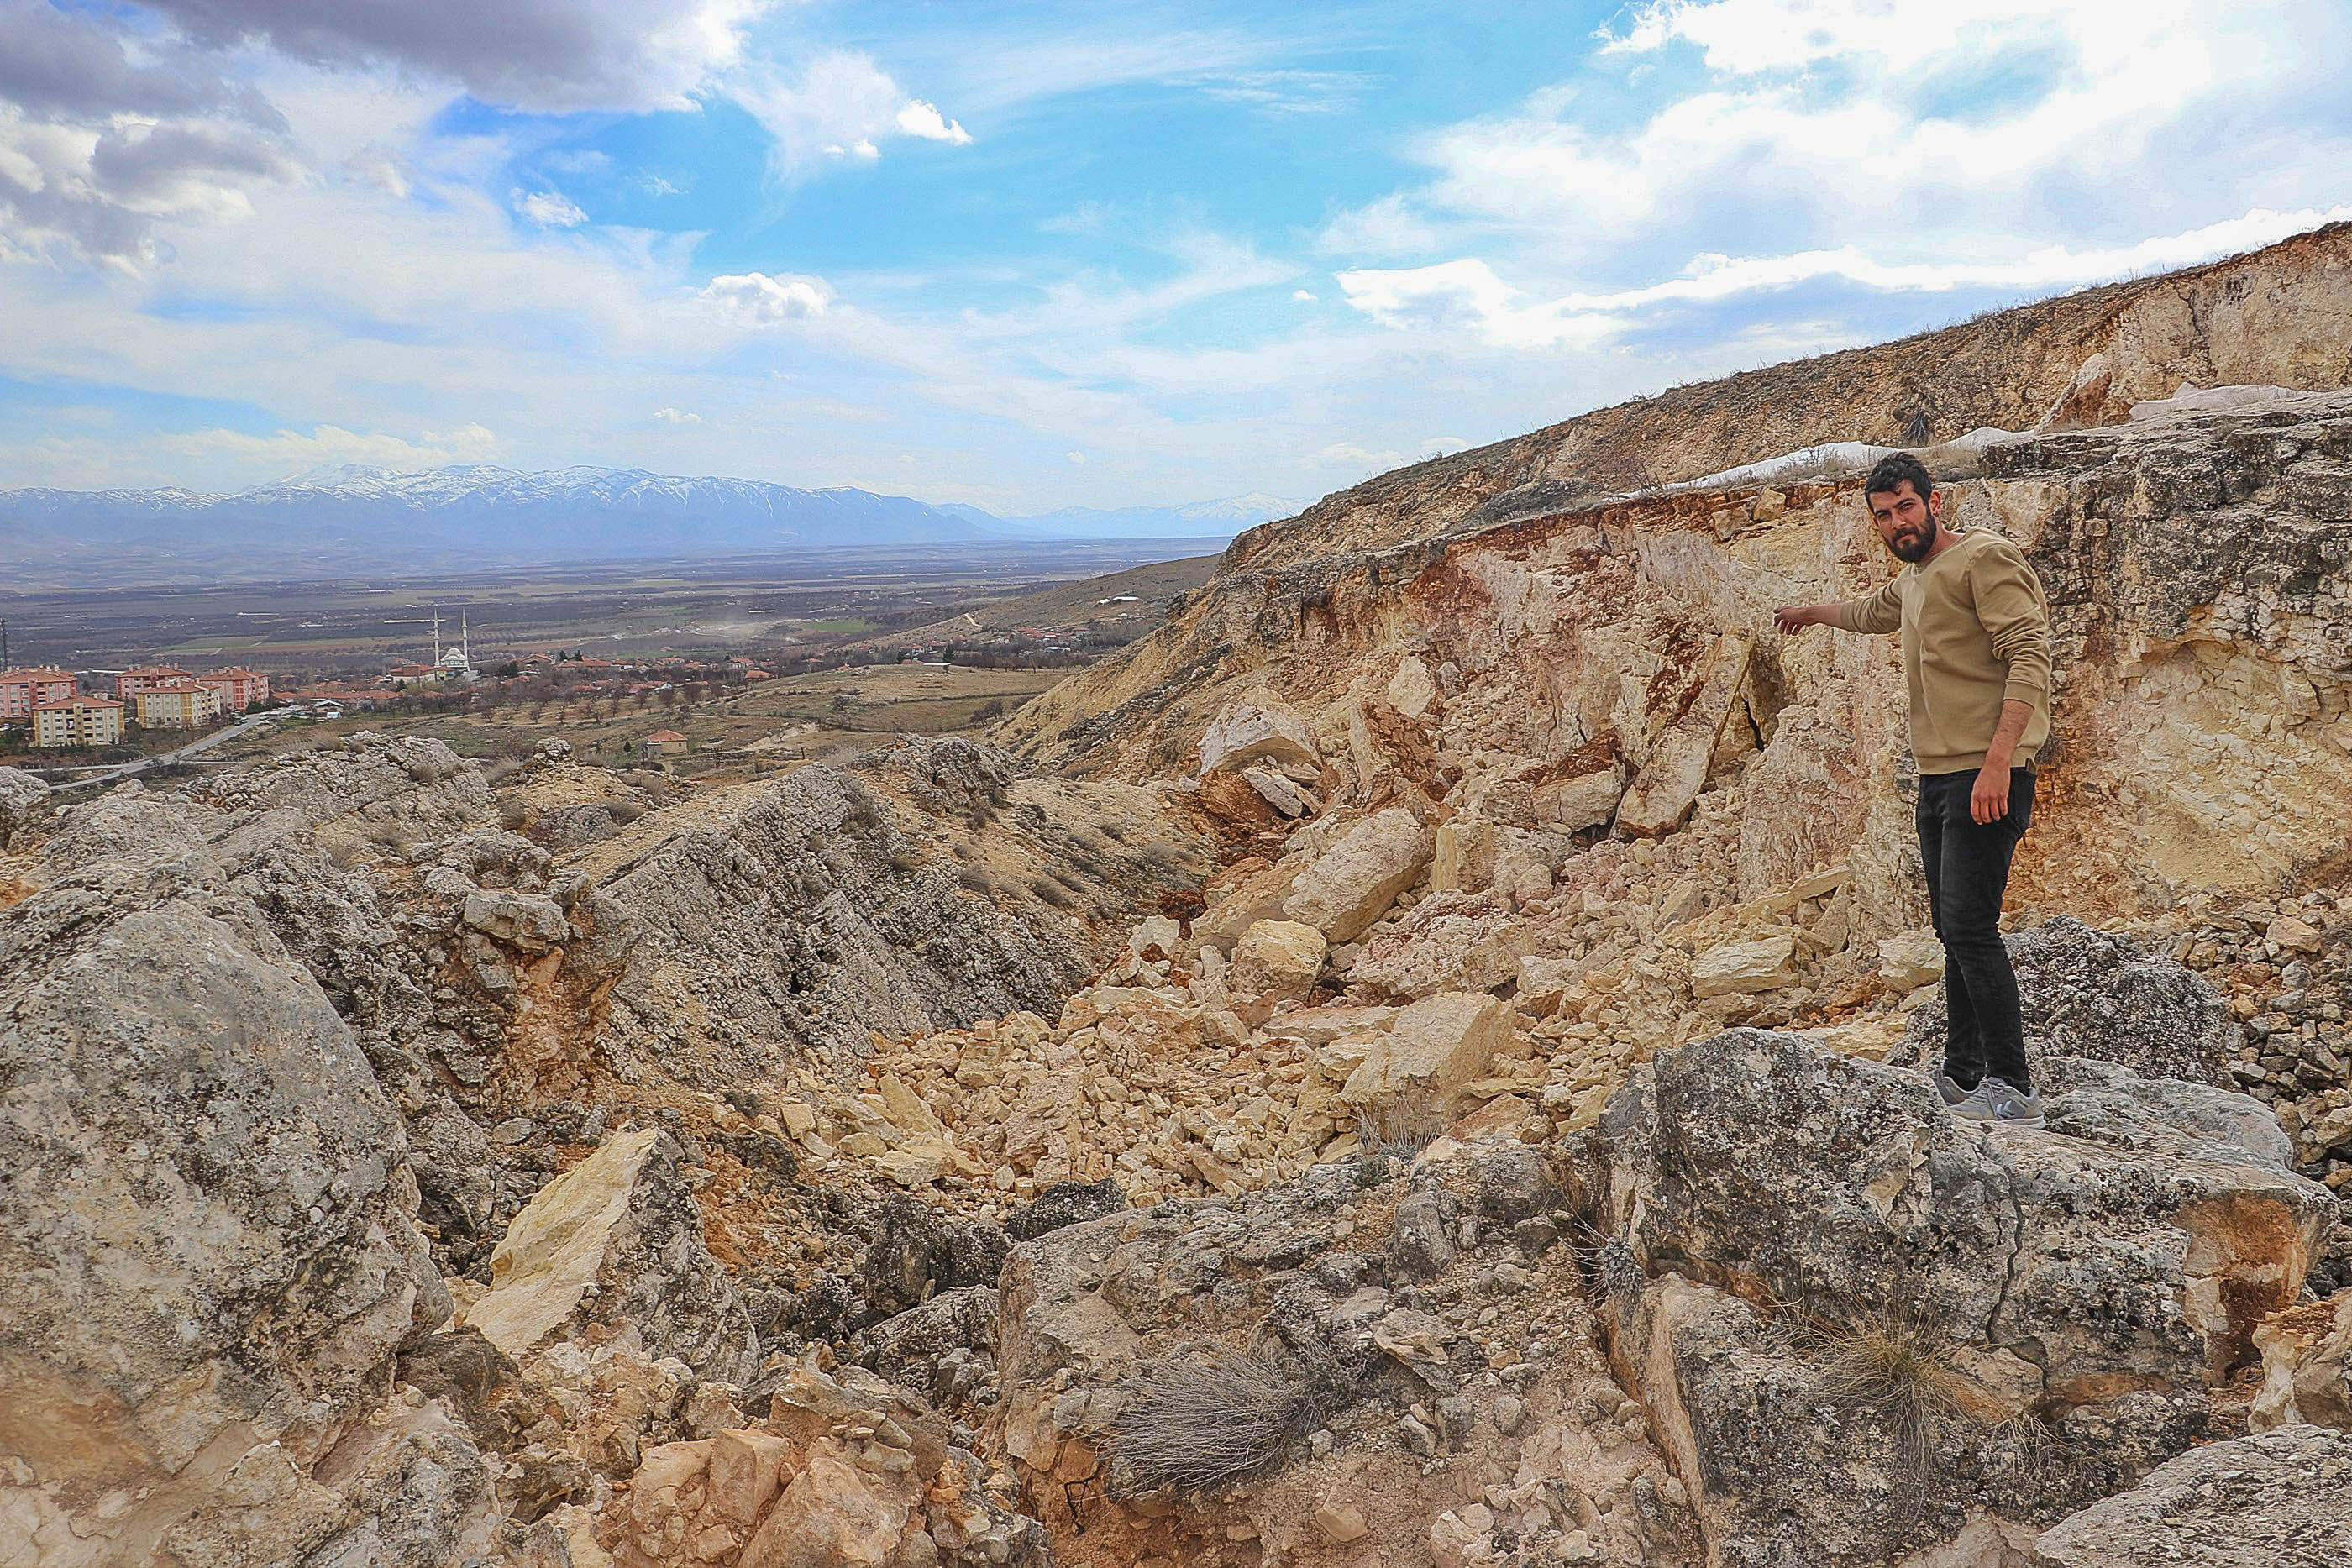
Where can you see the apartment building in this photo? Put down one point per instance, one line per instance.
(240, 688)
(146, 678)
(22, 691)
(78, 721)
(178, 705)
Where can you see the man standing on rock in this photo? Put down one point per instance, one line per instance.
(1975, 656)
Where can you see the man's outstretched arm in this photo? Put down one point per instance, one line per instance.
(1874, 613)
(1797, 617)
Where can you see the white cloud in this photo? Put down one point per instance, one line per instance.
(1467, 292)
(548, 209)
(1302, 295)
(655, 186)
(917, 118)
(1746, 36)
(291, 451)
(673, 417)
(547, 55)
(1078, 457)
(841, 104)
(761, 300)
(1387, 227)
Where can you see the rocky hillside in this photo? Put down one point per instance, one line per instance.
(1415, 1062)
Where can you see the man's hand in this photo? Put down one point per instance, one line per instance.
(1797, 617)
(1988, 802)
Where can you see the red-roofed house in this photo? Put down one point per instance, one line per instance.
(146, 678)
(22, 691)
(240, 688)
(660, 743)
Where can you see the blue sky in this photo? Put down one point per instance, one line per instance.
(1035, 255)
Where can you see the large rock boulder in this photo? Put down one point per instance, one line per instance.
(1353, 882)
(1261, 1371)
(22, 797)
(1844, 1310)
(1259, 728)
(2092, 993)
(2282, 1499)
(208, 1254)
(616, 1241)
(2306, 1365)
(846, 1471)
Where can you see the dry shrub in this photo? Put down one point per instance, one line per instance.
(1402, 1125)
(1897, 1367)
(1195, 1425)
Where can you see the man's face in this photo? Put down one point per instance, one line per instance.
(1907, 520)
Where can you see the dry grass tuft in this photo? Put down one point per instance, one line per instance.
(1402, 1125)
(1198, 1426)
(1894, 1365)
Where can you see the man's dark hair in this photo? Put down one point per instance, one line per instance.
(1894, 468)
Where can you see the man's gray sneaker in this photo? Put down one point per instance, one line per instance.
(1944, 1085)
(2000, 1105)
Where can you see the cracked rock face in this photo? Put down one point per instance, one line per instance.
(2282, 1499)
(2080, 1289)
(1469, 1374)
(208, 1255)
(2089, 993)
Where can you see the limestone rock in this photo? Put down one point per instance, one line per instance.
(1353, 882)
(1585, 800)
(2293, 935)
(1435, 1047)
(846, 1470)
(1450, 942)
(1413, 688)
(1744, 968)
(618, 1239)
(528, 923)
(22, 797)
(2092, 993)
(1277, 959)
(2306, 1365)
(209, 1223)
(1259, 728)
(2282, 1499)
(1910, 959)
(2116, 1274)
(1663, 792)
(1284, 794)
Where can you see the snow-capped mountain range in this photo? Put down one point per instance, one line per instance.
(352, 519)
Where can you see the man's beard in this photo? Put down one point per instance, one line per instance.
(1913, 548)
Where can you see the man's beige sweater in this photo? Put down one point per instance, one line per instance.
(1976, 632)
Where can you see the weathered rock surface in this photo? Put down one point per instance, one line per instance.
(846, 1471)
(208, 1252)
(1353, 882)
(2282, 1499)
(616, 1241)
(1787, 1204)
(1261, 727)
(22, 798)
(1276, 960)
(2306, 1365)
(1467, 1398)
(2090, 993)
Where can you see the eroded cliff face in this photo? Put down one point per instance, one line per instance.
(2195, 559)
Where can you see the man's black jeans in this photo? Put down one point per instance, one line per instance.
(1967, 870)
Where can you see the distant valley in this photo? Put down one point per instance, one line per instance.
(354, 520)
